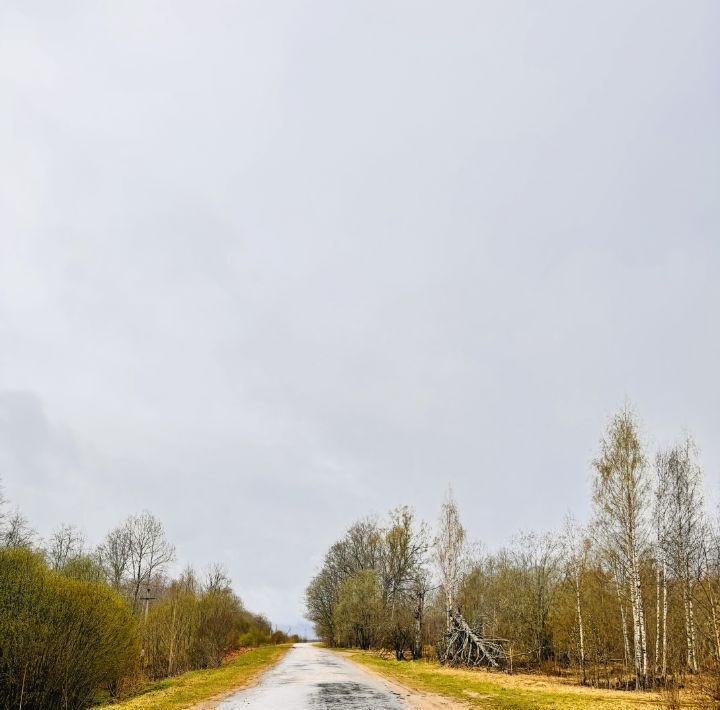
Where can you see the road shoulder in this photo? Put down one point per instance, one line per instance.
(429, 683)
(203, 689)
(415, 698)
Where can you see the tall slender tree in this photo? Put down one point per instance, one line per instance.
(576, 546)
(621, 490)
(450, 552)
(682, 529)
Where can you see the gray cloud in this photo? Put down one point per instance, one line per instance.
(267, 267)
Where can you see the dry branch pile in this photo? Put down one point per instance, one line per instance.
(464, 646)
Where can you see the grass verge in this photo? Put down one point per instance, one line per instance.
(483, 689)
(185, 690)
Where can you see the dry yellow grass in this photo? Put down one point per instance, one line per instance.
(188, 689)
(481, 688)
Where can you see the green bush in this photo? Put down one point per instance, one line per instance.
(62, 639)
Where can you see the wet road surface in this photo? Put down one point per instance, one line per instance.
(312, 678)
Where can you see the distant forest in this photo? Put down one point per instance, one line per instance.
(81, 624)
(631, 599)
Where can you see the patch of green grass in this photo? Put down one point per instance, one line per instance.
(483, 689)
(185, 690)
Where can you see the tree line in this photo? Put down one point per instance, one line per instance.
(631, 599)
(81, 625)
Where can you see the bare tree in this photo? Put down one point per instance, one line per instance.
(536, 562)
(65, 544)
(420, 588)
(661, 589)
(114, 554)
(450, 552)
(360, 548)
(576, 546)
(621, 492)
(188, 581)
(217, 579)
(682, 528)
(403, 552)
(619, 586)
(149, 551)
(17, 531)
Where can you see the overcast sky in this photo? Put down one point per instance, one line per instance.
(269, 267)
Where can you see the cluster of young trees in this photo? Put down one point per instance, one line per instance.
(196, 622)
(372, 589)
(77, 623)
(629, 600)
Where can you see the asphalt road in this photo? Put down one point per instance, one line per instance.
(312, 678)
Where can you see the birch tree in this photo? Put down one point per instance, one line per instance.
(682, 532)
(661, 590)
(709, 586)
(449, 552)
(576, 546)
(621, 491)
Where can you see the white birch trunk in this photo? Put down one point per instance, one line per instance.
(637, 637)
(657, 620)
(689, 629)
(716, 631)
(665, 616)
(623, 619)
(581, 630)
(692, 645)
(640, 649)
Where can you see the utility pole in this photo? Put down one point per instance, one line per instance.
(147, 599)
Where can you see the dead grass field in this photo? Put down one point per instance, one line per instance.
(482, 688)
(188, 689)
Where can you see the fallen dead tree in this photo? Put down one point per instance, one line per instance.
(463, 646)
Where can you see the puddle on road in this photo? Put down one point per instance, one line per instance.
(352, 696)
